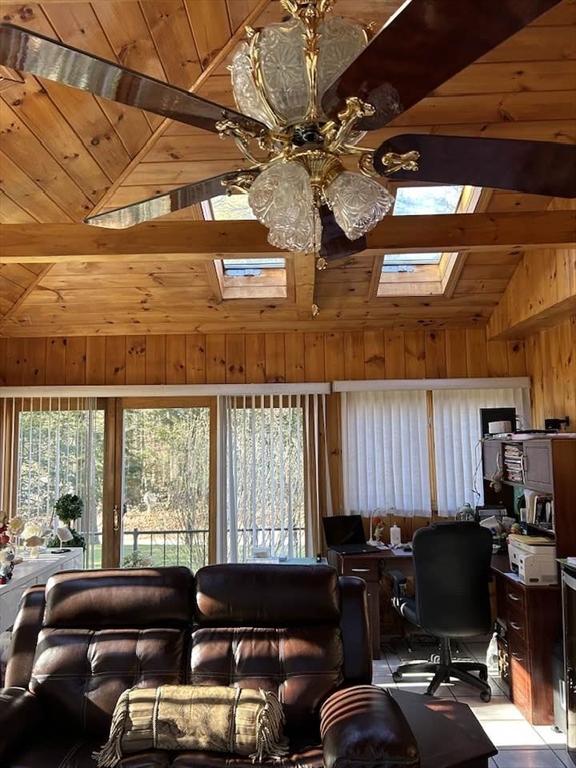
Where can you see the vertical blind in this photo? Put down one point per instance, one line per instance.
(457, 434)
(270, 464)
(385, 452)
(53, 446)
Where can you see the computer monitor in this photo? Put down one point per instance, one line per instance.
(343, 529)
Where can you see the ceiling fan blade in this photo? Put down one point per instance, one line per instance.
(161, 205)
(535, 167)
(28, 51)
(335, 244)
(422, 46)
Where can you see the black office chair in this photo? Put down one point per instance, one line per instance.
(452, 571)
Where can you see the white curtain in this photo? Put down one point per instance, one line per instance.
(270, 458)
(385, 452)
(49, 447)
(457, 433)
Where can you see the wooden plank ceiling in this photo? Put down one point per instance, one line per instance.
(64, 153)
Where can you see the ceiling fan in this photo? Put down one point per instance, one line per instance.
(307, 90)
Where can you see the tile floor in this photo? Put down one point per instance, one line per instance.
(520, 744)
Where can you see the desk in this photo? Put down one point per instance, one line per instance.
(531, 616)
(371, 567)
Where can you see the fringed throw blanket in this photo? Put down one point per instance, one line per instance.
(195, 718)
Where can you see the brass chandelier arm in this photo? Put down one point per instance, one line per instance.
(407, 161)
(366, 165)
(311, 51)
(305, 9)
(311, 13)
(355, 110)
(240, 183)
(241, 137)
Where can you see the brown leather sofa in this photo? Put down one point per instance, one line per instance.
(297, 630)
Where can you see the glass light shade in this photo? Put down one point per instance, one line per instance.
(283, 64)
(247, 96)
(358, 203)
(282, 199)
(281, 49)
(341, 42)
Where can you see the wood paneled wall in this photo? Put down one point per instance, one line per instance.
(551, 362)
(257, 358)
(541, 292)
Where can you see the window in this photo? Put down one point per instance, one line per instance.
(265, 478)
(457, 435)
(424, 274)
(272, 467)
(245, 278)
(166, 485)
(385, 452)
(386, 445)
(58, 449)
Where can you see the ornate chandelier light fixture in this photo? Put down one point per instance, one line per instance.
(279, 77)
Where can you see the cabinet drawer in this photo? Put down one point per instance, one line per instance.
(515, 596)
(517, 624)
(520, 672)
(365, 568)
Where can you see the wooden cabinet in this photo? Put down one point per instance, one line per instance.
(538, 465)
(548, 467)
(532, 617)
(491, 457)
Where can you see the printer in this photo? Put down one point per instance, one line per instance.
(533, 559)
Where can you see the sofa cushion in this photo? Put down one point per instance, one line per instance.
(137, 598)
(267, 595)
(302, 665)
(79, 674)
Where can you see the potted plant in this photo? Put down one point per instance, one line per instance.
(69, 508)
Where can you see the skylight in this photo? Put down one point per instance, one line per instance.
(424, 274)
(420, 201)
(408, 262)
(228, 208)
(258, 278)
(250, 267)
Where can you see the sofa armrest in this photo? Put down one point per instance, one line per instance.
(363, 727)
(19, 713)
(25, 637)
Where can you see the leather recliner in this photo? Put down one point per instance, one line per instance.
(298, 630)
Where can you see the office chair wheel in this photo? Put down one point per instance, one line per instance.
(486, 696)
(396, 676)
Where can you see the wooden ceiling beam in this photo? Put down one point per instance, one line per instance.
(197, 241)
(202, 325)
